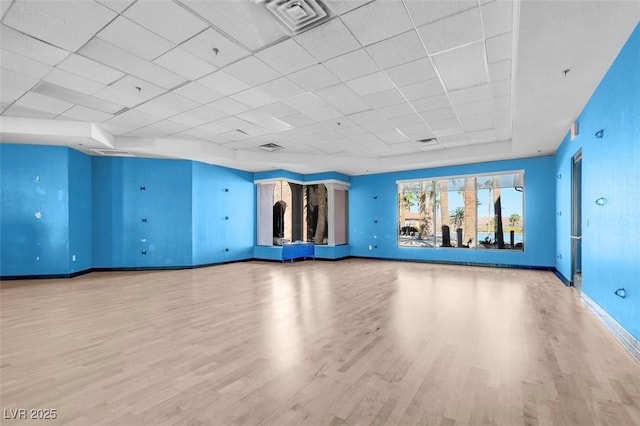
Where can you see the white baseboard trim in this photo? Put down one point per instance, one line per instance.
(630, 343)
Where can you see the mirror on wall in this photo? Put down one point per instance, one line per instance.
(290, 211)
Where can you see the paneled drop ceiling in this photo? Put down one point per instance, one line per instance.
(344, 85)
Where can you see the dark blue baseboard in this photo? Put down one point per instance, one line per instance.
(562, 278)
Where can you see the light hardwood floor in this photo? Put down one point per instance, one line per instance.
(349, 342)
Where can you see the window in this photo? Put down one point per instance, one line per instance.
(479, 212)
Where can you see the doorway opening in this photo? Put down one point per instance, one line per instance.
(576, 221)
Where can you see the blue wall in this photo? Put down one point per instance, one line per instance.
(224, 206)
(610, 169)
(93, 213)
(80, 209)
(141, 228)
(374, 198)
(35, 210)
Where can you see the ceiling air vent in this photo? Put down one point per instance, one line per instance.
(428, 141)
(297, 15)
(113, 152)
(271, 147)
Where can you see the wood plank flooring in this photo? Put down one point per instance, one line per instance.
(357, 342)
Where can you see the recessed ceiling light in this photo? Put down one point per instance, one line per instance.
(271, 147)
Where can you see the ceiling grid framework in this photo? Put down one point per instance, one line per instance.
(354, 93)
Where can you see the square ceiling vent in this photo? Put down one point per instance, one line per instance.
(297, 15)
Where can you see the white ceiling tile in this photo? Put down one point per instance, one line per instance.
(203, 46)
(198, 92)
(314, 78)
(372, 121)
(229, 106)
(313, 107)
(478, 107)
(412, 119)
(497, 17)
(454, 31)
(22, 65)
(252, 71)
(385, 98)
(81, 113)
(167, 105)
(206, 113)
(343, 99)
(501, 88)
(72, 81)
(17, 110)
(377, 21)
(20, 81)
(342, 6)
(328, 40)
(372, 83)
(499, 48)
(105, 52)
(282, 89)
(422, 89)
(264, 120)
(184, 63)
(254, 98)
(397, 50)
(130, 85)
(4, 6)
(472, 94)
(438, 114)
(134, 38)
(278, 110)
(411, 72)
(503, 134)
(158, 130)
(352, 65)
(499, 71)
(286, 57)
(502, 102)
(424, 12)
(225, 124)
(481, 137)
(43, 103)
(447, 127)
(73, 97)
(154, 15)
(454, 141)
(130, 120)
(397, 110)
(90, 69)
(223, 82)
(299, 120)
(31, 48)
(431, 103)
(245, 21)
(8, 94)
(67, 24)
(392, 136)
(116, 5)
(477, 122)
(114, 95)
(462, 67)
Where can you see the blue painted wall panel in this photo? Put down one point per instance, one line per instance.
(35, 210)
(611, 170)
(146, 228)
(373, 216)
(224, 209)
(80, 217)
